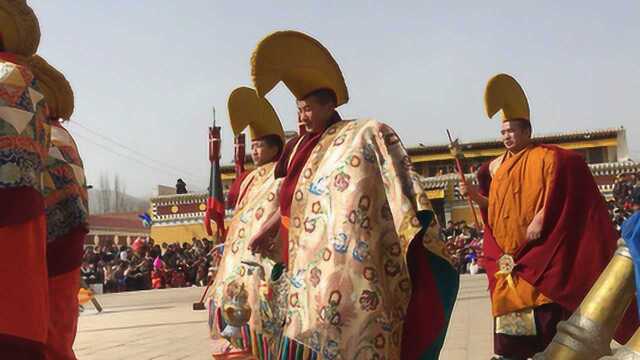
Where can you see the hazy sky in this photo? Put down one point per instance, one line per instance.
(147, 73)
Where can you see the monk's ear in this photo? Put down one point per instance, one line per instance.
(525, 125)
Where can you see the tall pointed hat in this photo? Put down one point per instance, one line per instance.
(19, 28)
(504, 95)
(300, 62)
(247, 109)
(55, 87)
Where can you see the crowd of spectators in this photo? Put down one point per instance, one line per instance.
(626, 192)
(145, 265)
(464, 244)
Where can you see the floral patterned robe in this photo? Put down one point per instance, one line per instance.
(354, 213)
(258, 202)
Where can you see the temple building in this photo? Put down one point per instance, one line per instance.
(115, 228)
(180, 217)
(605, 150)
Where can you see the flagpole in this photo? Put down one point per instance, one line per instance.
(207, 218)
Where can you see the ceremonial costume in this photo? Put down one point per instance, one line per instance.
(536, 284)
(242, 278)
(66, 204)
(24, 143)
(366, 268)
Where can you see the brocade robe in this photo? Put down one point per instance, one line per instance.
(357, 206)
(257, 202)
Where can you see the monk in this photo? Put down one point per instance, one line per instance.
(24, 144)
(256, 201)
(547, 231)
(66, 204)
(264, 150)
(367, 272)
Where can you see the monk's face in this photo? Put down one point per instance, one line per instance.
(314, 115)
(515, 136)
(263, 153)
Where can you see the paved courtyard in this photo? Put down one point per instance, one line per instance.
(159, 324)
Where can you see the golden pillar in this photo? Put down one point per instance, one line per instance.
(588, 332)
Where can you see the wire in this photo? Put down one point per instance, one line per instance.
(132, 150)
(110, 150)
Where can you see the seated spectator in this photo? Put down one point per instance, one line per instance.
(119, 275)
(449, 230)
(88, 273)
(473, 267)
(132, 276)
(110, 282)
(157, 276)
(178, 277)
(124, 253)
(181, 264)
(201, 275)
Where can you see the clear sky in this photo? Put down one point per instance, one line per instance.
(147, 73)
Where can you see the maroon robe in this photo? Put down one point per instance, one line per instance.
(578, 238)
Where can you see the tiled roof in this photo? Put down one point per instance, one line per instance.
(555, 137)
(120, 221)
(612, 168)
(438, 182)
(544, 138)
(615, 168)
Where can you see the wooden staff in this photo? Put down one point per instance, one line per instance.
(94, 301)
(457, 154)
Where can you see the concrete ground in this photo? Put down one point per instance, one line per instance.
(160, 324)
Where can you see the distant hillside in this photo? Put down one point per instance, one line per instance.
(108, 201)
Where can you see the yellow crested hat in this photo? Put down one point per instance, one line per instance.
(19, 28)
(247, 109)
(54, 86)
(503, 94)
(298, 60)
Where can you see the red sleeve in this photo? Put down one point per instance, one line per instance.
(234, 190)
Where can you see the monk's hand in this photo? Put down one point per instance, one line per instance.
(260, 242)
(464, 189)
(468, 190)
(264, 241)
(534, 230)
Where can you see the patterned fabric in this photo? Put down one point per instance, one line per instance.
(65, 190)
(24, 131)
(291, 349)
(258, 202)
(354, 212)
(24, 139)
(546, 319)
(517, 323)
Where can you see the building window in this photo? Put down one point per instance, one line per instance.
(596, 156)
